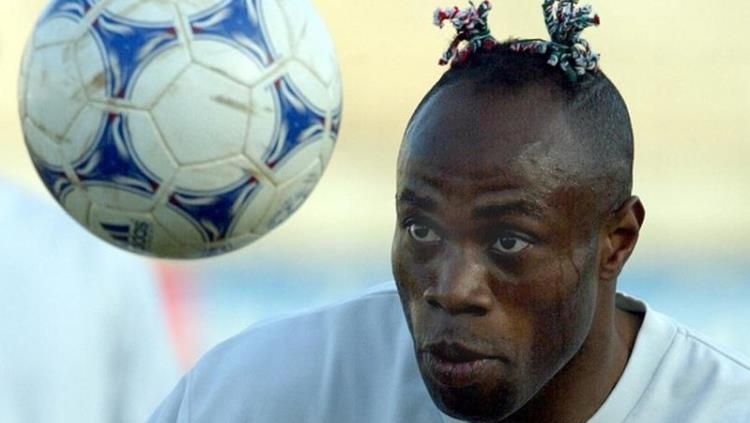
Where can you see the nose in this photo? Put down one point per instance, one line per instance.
(461, 285)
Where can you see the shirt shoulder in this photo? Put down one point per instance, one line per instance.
(696, 381)
(675, 375)
(349, 361)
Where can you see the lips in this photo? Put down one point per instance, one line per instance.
(454, 365)
(455, 352)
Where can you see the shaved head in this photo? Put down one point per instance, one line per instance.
(598, 146)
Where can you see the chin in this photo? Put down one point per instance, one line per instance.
(474, 403)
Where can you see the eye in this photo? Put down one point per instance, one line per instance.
(422, 233)
(510, 244)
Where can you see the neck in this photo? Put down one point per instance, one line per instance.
(580, 388)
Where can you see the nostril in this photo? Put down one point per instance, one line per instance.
(456, 306)
(433, 302)
(475, 310)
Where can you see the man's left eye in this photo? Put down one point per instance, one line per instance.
(510, 245)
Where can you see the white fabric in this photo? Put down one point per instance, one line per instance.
(83, 338)
(353, 362)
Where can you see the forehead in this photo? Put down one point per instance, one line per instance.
(466, 142)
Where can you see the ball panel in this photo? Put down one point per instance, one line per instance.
(214, 213)
(216, 176)
(56, 179)
(136, 232)
(158, 75)
(299, 123)
(112, 160)
(297, 161)
(311, 87)
(336, 94)
(77, 205)
(251, 212)
(91, 67)
(243, 240)
(111, 196)
(124, 48)
(264, 123)
(326, 145)
(236, 23)
(57, 31)
(334, 121)
(149, 149)
(83, 133)
(73, 9)
(203, 116)
(192, 7)
(275, 27)
(290, 196)
(233, 244)
(41, 145)
(179, 226)
(311, 42)
(53, 85)
(227, 60)
(144, 11)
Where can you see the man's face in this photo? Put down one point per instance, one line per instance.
(495, 248)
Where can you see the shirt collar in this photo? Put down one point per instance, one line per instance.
(654, 338)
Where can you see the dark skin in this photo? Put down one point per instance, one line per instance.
(506, 259)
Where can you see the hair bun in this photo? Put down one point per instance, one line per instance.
(471, 29)
(565, 22)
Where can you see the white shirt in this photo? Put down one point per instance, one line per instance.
(82, 335)
(354, 362)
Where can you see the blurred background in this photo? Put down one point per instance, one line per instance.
(681, 65)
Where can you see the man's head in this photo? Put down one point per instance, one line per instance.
(515, 217)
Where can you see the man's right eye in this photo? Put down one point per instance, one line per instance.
(422, 233)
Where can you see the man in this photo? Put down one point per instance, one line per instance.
(83, 336)
(515, 217)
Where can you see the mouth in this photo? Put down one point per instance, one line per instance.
(455, 366)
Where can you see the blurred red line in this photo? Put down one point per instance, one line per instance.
(175, 286)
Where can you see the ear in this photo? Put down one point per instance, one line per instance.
(620, 237)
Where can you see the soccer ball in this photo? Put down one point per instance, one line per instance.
(180, 128)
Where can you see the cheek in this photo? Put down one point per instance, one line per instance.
(410, 276)
(562, 312)
(399, 259)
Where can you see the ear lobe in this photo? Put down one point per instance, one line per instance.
(622, 235)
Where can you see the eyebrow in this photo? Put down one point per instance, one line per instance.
(513, 208)
(410, 197)
(518, 207)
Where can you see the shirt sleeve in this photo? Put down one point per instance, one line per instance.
(175, 408)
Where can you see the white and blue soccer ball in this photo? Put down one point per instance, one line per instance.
(180, 128)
